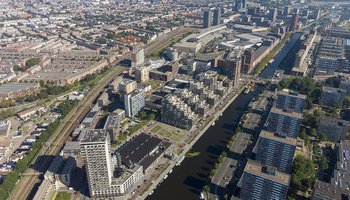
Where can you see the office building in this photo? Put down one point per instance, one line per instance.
(207, 18)
(137, 57)
(295, 21)
(273, 14)
(217, 17)
(240, 5)
(334, 129)
(284, 122)
(276, 150)
(134, 102)
(263, 182)
(331, 96)
(290, 100)
(106, 176)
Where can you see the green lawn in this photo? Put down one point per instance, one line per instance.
(156, 129)
(63, 196)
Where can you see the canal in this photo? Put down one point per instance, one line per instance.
(188, 179)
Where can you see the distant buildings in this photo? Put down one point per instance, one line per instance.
(290, 100)
(284, 122)
(331, 96)
(217, 17)
(106, 176)
(263, 182)
(12, 90)
(295, 22)
(165, 72)
(240, 4)
(207, 18)
(137, 57)
(276, 150)
(134, 102)
(5, 126)
(230, 64)
(334, 129)
(332, 57)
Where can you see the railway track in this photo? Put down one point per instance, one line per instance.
(26, 184)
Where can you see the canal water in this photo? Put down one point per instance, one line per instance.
(188, 179)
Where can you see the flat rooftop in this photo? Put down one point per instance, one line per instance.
(142, 149)
(288, 113)
(258, 169)
(93, 135)
(291, 93)
(278, 138)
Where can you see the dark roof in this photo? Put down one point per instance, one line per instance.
(143, 149)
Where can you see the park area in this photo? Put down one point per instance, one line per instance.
(173, 134)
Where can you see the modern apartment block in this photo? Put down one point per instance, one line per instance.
(106, 177)
(290, 100)
(335, 129)
(134, 102)
(262, 182)
(177, 113)
(276, 150)
(284, 122)
(331, 96)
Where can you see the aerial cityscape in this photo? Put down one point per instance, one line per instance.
(174, 99)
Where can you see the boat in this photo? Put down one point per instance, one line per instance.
(166, 176)
(246, 91)
(170, 171)
(201, 196)
(180, 160)
(213, 124)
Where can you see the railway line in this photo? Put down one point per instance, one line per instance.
(25, 185)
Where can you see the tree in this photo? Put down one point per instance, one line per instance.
(303, 174)
(206, 189)
(323, 163)
(33, 61)
(346, 101)
(151, 116)
(143, 114)
(313, 132)
(302, 134)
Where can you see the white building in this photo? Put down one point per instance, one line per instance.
(134, 102)
(137, 57)
(106, 178)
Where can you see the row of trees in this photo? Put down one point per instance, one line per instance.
(22, 165)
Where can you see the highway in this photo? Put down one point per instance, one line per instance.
(27, 183)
